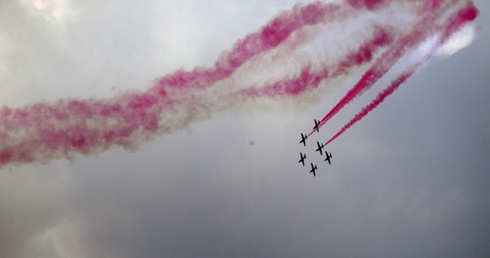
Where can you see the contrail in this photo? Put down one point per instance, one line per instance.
(312, 79)
(460, 19)
(421, 31)
(43, 132)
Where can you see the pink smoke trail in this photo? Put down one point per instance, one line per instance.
(460, 19)
(420, 32)
(42, 132)
(48, 131)
(309, 78)
(270, 36)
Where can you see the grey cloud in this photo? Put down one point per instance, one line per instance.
(409, 181)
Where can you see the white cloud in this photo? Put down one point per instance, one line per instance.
(458, 41)
(55, 10)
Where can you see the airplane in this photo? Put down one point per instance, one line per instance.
(317, 124)
(329, 156)
(320, 147)
(303, 139)
(313, 169)
(303, 157)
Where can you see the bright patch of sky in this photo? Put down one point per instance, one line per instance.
(458, 41)
(57, 10)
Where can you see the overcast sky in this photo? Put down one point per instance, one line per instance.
(410, 180)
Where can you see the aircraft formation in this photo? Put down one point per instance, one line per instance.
(320, 149)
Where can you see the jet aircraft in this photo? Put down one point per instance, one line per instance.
(302, 158)
(313, 169)
(303, 139)
(317, 124)
(329, 156)
(320, 147)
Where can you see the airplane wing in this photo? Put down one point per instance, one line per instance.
(302, 158)
(328, 157)
(303, 139)
(313, 168)
(317, 123)
(320, 147)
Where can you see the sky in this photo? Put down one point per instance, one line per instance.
(409, 180)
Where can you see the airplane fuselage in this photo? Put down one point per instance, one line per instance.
(303, 139)
(320, 147)
(329, 156)
(313, 169)
(317, 124)
(302, 158)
